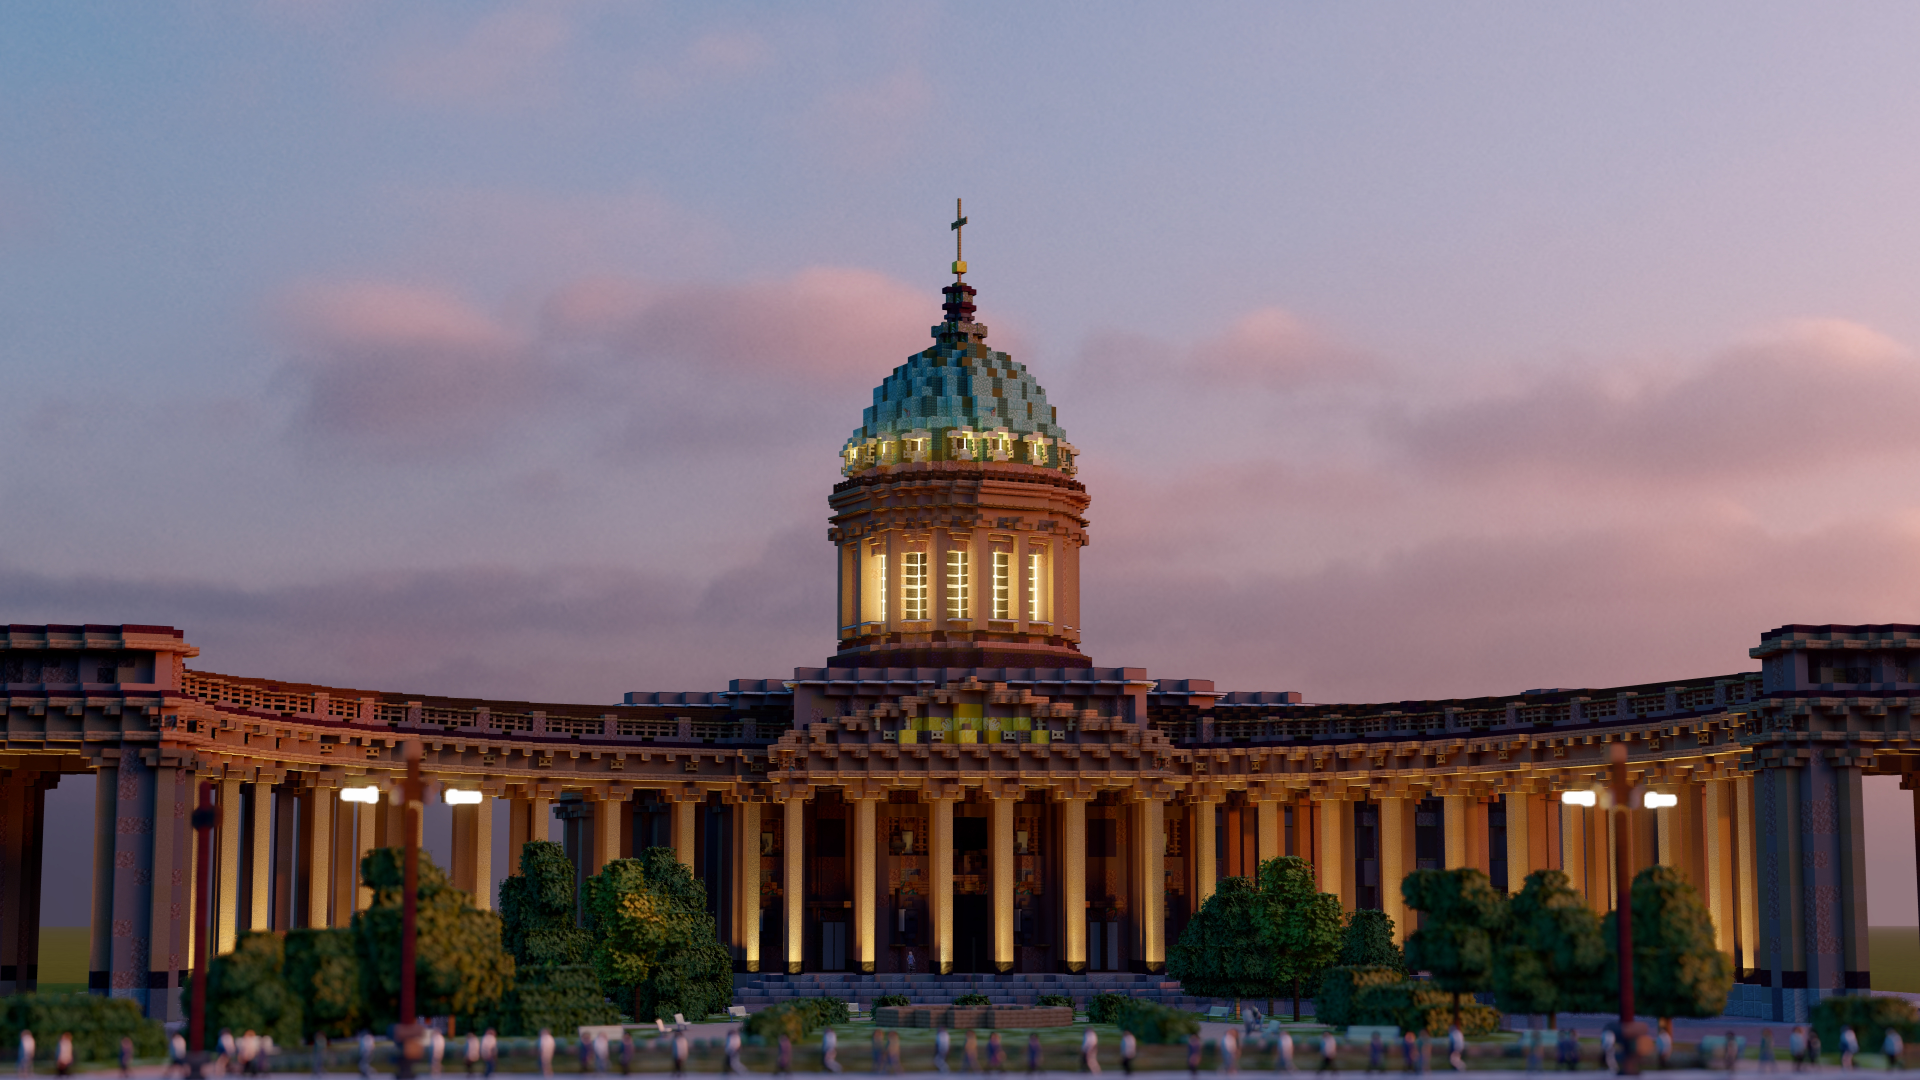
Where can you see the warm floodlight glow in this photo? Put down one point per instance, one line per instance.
(1656, 799)
(368, 794)
(456, 797)
(1577, 798)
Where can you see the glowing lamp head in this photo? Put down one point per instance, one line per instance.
(1658, 800)
(456, 797)
(368, 794)
(1577, 798)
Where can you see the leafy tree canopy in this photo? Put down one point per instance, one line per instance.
(1464, 912)
(1368, 941)
(1221, 952)
(460, 967)
(246, 990)
(322, 970)
(1304, 926)
(1551, 955)
(655, 939)
(1677, 971)
(537, 909)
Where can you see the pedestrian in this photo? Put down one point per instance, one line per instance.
(543, 1045)
(1736, 1046)
(472, 1055)
(489, 1052)
(996, 1054)
(1283, 1052)
(1534, 1037)
(1607, 1057)
(1813, 1048)
(681, 1050)
(1229, 1052)
(1849, 1046)
(26, 1052)
(732, 1067)
(1090, 1051)
(63, 1055)
(1569, 1049)
(1033, 1053)
(1456, 1048)
(1797, 1047)
(879, 1052)
(1894, 1047)
(783, 1057)
(1329, 1052)
(1193, 1057)
(1408, 1050)
(1424, 1050)
(1129, 1049)
(177, 1052)
(249, 1049)
(126, 1056)
(1766, 1050)
(626, 1052)
(319, 1053)
(583, 1049)
(436, 1050)
(970, 1053)
(1663, 1046)
(366, 1053)
(893, 1053)
(942, 1042)
(1376, 1054)
(229, 1051)
(830, 1050)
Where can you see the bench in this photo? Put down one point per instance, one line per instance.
(1218, 1012)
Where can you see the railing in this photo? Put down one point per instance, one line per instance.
(218, 691)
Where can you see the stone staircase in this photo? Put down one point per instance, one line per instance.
(758, 991)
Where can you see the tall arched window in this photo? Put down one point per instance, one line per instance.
(1003, 584)
(873, 584)
(959, 583)
(1038, 592)
(913, 585)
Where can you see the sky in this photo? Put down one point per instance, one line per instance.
(1411, 350)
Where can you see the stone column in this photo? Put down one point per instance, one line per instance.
(13, 879)
(1782, 947)
(941, 855)
(1716, 835)
(168, 893)
(683, 831)
(1205, 872)
(33, 853)
(1746, 898)
(228, 890)
(286, 846)
(865, 933)
(346, 860)
(106, 802)
(1152, 849)
(1849, 915)
(747, 848)
(260, 907)
(319, 805)
(1073, 875)
(794, 881)
(1519, 840)
(1001, 844)
(519, 831)
(473, 852)
(1303, 829)
(1573, 849)
(1393, 866)
(132, 947)
(1272, 845)
(606, 832)
(1455, 823)
(1335, 850)
(365, 837)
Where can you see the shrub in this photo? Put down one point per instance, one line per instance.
(559, 997)
(1368, 941)
(1102, 1007)
(886, 1000)
(1869, 1017)
(1152, 1022)
(1341, 987)
(1436, 1017)
(97, 1024)
(323, 970)
(794, 1019)
(826, 1011)
(247, 990)
(1061, 1001)
(972, 1001)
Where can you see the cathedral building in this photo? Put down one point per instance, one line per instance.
(960, 788)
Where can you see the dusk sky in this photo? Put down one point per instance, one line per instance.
(1411, 350)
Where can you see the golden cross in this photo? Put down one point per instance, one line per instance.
(959, 224)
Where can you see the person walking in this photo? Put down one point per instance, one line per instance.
(970, 1053)
(26, 1052)
(996, 1054)
(1089, 1051)
(1409, 1050)
(879, 1052)
(177, 1053)
(1283, 1052)
(63, 1055)
(1229, 1052)
(734, 1066)
(126, 1056)
(489, 1052)
(893, 1053)
(783, 1057)
(319, 1053)
(681, 1050)
(472, 1055)
(602, 1060)
(1813, 1048)
(1376, 1054)
(1534, 1037)
(1033, 1053)
(626, 1052)
(229, 1051)
(436, 1050)
(1849, 1046)
(1193, 1057)
(1129, 1049)
(543, 1046)
(1329, 1052)
(1569, 1049)
(942, 1043)
(1457, 1048)
(366, 1053)
(1736, 1046)
(1607, 1056)
(1894, 1047)
(583, 1050)
(830, 1050)
(1663, 1047)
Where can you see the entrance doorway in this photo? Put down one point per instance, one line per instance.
(972, 934)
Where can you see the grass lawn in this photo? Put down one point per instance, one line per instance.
(63, 959)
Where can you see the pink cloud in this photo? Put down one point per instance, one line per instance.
(505, 57)
(1811, 395)
(1276, 349)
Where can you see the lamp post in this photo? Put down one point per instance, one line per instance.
(1633, 1034)
(203, 822)
(407, 1033)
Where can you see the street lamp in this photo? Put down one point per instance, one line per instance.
(411, 792)
(203, 821)
(1620, 796)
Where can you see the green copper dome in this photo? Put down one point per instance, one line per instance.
(958, 401)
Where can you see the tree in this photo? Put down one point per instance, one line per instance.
(1303, 926)
(1551, 955)
(460, 967)
(1677, 971)
(656, 945)
(322, 971)
(1222, 952)
(247, 990)
(555, 986)
(1456, 944)
(1368, 941)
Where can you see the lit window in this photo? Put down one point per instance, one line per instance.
(1003, 584)
(1037, 585)
(873, 587)
(957, 585)
(913, 585)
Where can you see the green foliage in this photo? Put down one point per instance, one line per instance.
(247, 990)
(96, 1023)
(1304, 927)
(1676, 969)
(1869, 1017)
(1463, 915)
(1102, 1007)
(460, 967)
(1221, 953)
(1152, 1022)
(786, 1018)
(972, 1001)
(1551, 956)
(1400, 1004)
(656, 944)
(885, 1000)
(1340, 988)
(1368, 941)
(828, 1010)
(537, 909)
(1055, 1001)
(1435, 1018)
(322, 971)
(559, 997)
